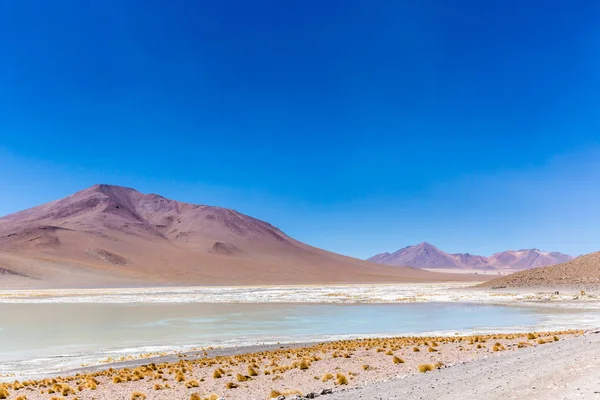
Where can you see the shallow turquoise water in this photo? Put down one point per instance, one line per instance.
(32, 335)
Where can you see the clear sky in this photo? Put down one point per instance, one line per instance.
(357, 126)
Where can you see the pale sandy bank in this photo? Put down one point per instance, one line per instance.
(333, 366)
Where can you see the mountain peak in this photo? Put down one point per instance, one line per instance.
(108, 234)
(426, 255)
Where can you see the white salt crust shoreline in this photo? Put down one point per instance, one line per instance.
(335, 294)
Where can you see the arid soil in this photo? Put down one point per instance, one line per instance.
(565, 370)
(582, 273)
(333, 366)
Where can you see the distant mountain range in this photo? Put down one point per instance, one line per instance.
(425, 255)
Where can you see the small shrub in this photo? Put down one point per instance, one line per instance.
(327, 377)
(192, 384)
(425, 367)
(341, 379)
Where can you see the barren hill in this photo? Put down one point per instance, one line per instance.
(582, 273)
(425, 255)
(117, 236)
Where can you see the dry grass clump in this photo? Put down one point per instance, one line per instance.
(274, 394)
(217, 374)
(498, 347)
(4, 393)
(138, 396)
(192, 384)
(252, 371)
(179, 376)
(231, 385)
(340, 379)
(397, 360)
(425, 368)
(416, 349)
(326, 377)
(431, 349)
(241, 378)
(195, 396)
(531, 336)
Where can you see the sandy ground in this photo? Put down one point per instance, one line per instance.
(565, 370)
(333, 365)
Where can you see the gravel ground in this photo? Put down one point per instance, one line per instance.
(565, 370)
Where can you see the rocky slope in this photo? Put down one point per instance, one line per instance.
(582, 273)
(117, 236)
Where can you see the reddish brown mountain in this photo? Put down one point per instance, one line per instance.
(425, 255)
(111, 235)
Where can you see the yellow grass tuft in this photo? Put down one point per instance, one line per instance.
(431, 349)
(195, 396)
(217, 374)
(252, 371)
(138, 396)
(327, 377)
(531, 336)
(397, 360)
(416, 349)
(192, 384)
(4, 393)
(425, 368)
(240, 378)
(274, 394)
(340, 379)
(304, 364)
(231, 385)
(158, 386)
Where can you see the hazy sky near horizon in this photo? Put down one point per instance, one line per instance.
(355, 126)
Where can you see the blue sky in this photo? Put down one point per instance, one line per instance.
(356, 126)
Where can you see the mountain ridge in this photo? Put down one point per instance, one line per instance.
(426, 255)
(108, 235)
